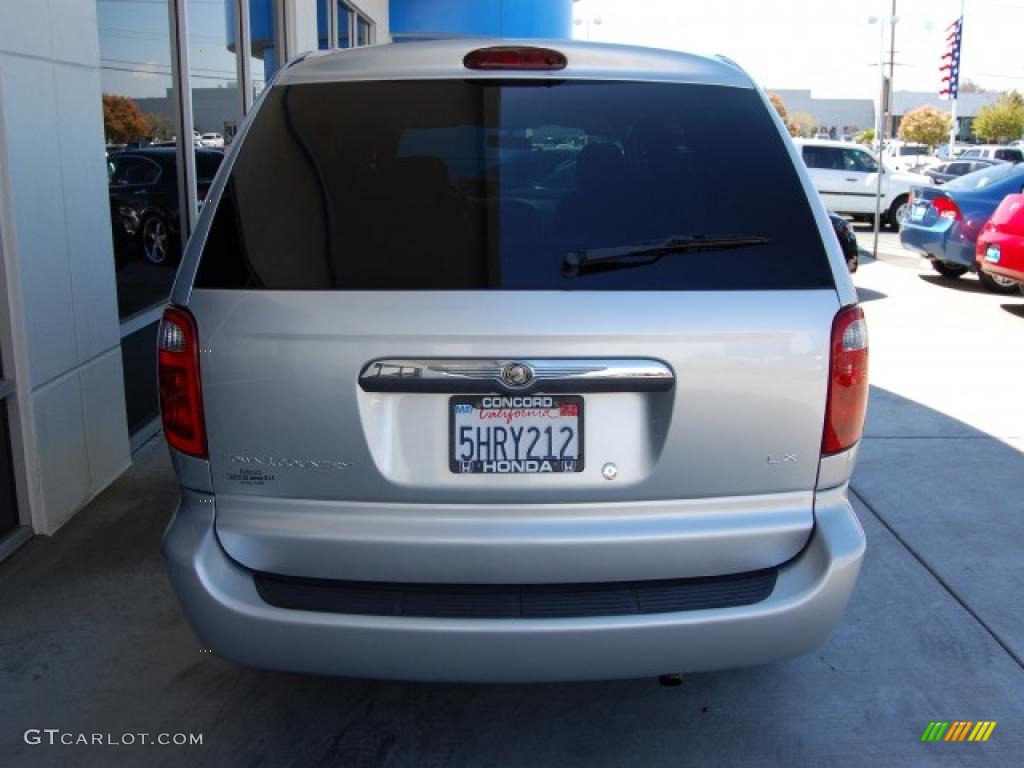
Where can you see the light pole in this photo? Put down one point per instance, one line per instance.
(881, 21)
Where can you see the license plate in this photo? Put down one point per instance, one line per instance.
(917, 212)
(992, 254)
(515, 434)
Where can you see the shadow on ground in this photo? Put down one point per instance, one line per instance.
(1014, 309)
(967, 283)
(91, 641)
(866, 294)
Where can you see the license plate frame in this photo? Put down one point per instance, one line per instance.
(545, 464)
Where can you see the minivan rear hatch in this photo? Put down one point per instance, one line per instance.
(389, 260)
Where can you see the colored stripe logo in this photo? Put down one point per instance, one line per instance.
(958, 730)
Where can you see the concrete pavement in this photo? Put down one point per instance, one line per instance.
(91, 639)
(947, 410)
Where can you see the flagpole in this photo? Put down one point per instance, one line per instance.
(954, 128)
(952, 131)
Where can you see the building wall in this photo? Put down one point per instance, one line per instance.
(836, 116)
(497, 18)
(967, 107)
(380, 12)
(55, 223)
(212, 108)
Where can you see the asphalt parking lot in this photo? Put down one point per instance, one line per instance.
(935, 630)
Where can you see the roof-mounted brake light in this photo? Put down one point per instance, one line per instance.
(501, 57)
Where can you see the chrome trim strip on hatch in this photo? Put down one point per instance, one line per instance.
(454, 376)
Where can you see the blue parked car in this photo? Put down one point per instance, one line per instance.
(942, 223)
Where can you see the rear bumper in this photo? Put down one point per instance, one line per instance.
(1011, 258)
(995, 269)
(940, 241)
(221, 602)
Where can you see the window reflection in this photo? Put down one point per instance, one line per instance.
(141, 159)
(135, 61)
(344, 26)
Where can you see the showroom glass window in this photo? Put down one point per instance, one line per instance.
(139, 95)
(138, 109)
(351, 27)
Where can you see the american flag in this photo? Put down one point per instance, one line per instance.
(950, 68)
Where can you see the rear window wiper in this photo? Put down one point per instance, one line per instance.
(577, 263)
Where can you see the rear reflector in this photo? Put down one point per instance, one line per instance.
(848, 381)
(181, 402)
(509, 57)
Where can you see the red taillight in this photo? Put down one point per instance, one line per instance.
(181, 402)
(848, 381)
(514, 57)
(947, 209)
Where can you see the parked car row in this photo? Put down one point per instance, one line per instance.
(907, 156)
(946, 225)
(954, 169)
(846, 177)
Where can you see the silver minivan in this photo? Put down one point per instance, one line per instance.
(518, 362)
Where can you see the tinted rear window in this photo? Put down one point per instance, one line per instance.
(488, 184)
(207, 164)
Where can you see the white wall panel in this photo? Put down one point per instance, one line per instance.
(106, 428)
(87, 214)
(57, 236)
(25, 27)
(74, 31)
(36, 180)
(61, 445)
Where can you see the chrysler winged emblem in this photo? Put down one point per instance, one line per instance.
(516, 374)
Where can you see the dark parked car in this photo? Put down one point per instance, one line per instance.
(954, 169)
(942, 223)
(143, 185)
(847, 239)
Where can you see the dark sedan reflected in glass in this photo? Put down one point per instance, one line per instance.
(143, 188)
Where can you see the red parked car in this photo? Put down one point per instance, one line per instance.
(1000, 248)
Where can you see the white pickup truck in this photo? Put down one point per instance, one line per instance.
(846, 177)
(908, 156)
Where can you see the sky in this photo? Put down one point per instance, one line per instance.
(824, 45)
(135, 51)
(827, 46)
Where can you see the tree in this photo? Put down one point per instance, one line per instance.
(122, 119)
(776, 101)
(925, 125)
(805, 124)
(866, 136)
(160, 127)
(1001, 121)
(969, 86)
